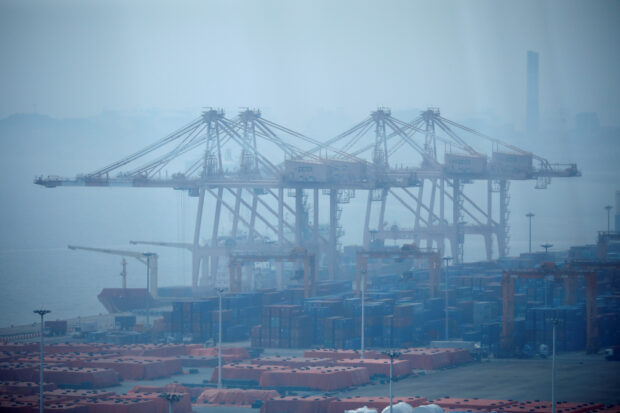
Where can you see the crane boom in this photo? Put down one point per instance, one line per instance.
(146, 258)
(185, 245)
(140, 256)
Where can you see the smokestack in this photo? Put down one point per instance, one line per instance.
(532, 93)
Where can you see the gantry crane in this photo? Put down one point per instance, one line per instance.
(275, 162)
(568, 274)
(388, 140)
(407, 251)
(146, 258)
(298, 254)
(205, 253)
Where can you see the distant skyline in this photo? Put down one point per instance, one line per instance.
(70, 58)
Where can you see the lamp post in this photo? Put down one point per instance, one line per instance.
(42, 313)
(554, 322)
(546, 246)
(148, 256)
(172, 398)
(530, 215)
(392, 355)
(460, 227)
(447, 260)
(608, 208)
(363, 311)
(219, 340)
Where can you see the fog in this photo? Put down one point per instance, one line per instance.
(83, 84)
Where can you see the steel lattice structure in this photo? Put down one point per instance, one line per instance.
(274, 163)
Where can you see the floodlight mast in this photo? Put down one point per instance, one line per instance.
(447, 261)
(172, 398)
(608, 208)
(392, 355)
(363, 313)
(555, 323)
(220, 291)
(530, 216)
(41, 313)
(148, 256)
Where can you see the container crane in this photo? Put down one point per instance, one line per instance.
(146, 258)
(276, 163)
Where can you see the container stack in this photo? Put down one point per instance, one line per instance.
(282, 326)
(570, 330)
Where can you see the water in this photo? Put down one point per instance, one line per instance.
(66, 282)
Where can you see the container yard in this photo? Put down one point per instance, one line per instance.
(304, 324)
(322, 380)
(457, 251)
(284, 352)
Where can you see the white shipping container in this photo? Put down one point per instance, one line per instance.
(512, 163)
(465, 164)
(346, 171)
(305, 171)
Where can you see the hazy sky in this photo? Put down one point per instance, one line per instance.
(295, 58)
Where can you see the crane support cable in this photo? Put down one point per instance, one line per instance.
(417, 129)
(344, 134)
(544, 162)
(297, 135)
(355, 137)
(260, 158)
(388, 137)
(228, 125)
(482, 135)
(457, 138)
(191, 141)
(200, 161)
(411, 142)
(169, 138)
(313, 141)
(291, 150)
(267, 134)
(160, 162)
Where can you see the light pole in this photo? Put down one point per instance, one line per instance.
(530, 215)
(219, 340)
(608, 208)
(42, 313)
(546, 281)
(363, 311)
(460, 227)
(172, 398)
(546, 246)
(148, 256)
(554, 322)
(447, 260)
(392, 355)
